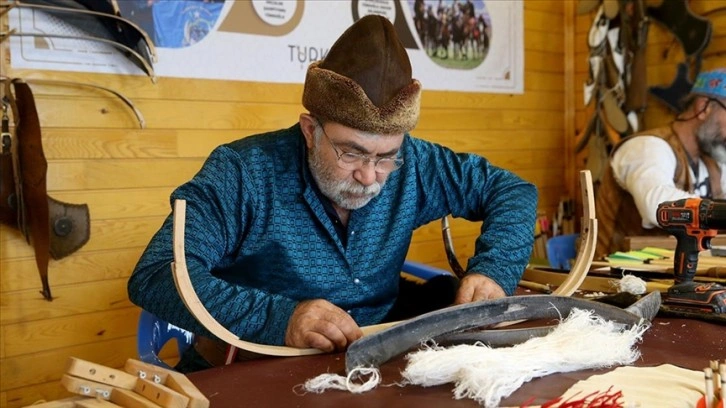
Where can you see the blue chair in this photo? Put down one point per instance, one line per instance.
(154, 333)
(422, 271)
(561, 250)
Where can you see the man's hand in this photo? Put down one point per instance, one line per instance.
(476, 287)
(320, 324)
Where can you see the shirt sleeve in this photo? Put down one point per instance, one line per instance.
(644, 166)
(469, 186)
(217, 211)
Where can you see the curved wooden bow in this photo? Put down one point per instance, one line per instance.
(588, 239)
(196, 308)
(127, 101)
(117, 18)
(142, 63)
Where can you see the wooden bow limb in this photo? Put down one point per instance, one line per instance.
(592, 283)
(126, 22)
(148, 69)
(195, 306)
(588, 239)
(449, 247)
(127, 101)
(588, 242)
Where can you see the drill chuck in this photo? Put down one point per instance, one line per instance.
(713, 213)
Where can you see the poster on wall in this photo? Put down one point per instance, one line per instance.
(456, 45)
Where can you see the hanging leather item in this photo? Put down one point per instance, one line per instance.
(53, 228)
(674, 94)
(70, 228)
(33, 168)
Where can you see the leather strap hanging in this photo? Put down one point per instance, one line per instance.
(53, 228)
(33, 168)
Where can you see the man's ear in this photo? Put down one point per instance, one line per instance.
(702, 107)
(308, 125)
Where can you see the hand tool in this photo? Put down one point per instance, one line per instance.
(694, 222)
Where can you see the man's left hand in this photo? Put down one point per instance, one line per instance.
(475, 287)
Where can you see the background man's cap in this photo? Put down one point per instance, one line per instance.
(711, 84)
(365, 81)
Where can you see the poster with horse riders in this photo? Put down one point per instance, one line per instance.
(455, 45)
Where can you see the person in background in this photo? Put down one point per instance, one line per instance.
(297, 237)
(682, 160)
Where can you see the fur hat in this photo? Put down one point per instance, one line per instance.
(711, 84)
(365, 81)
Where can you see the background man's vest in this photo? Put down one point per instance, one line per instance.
(615, 208)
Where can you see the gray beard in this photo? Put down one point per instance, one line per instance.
(337, 191)
(711, 140)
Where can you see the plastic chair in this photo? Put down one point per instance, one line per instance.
(561, 250)
(154, 333)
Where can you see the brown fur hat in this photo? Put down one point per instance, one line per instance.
(365, 81)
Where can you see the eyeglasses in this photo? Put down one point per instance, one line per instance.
(718, 102)
(354, 161)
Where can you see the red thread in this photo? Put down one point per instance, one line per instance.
(597, 399)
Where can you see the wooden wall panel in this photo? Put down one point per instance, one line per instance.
(97, 154)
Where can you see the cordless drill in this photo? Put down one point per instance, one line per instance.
(693, 221)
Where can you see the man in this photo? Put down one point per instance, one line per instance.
(297, 236)
(682, 160)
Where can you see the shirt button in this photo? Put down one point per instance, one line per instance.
(356, 280)
(349, 311)
(352, 233)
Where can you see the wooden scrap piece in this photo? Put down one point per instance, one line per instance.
(161, 395)
(180, 383)
(101, 374)
(96, 403)
(62, 403)
(130, 399)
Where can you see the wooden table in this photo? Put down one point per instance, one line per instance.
(270, 382)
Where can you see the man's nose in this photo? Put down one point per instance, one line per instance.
(366, 175)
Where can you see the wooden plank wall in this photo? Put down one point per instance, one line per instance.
(98, 155)
(663, 54)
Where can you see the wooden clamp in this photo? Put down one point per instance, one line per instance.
(171, 379)
(85, 387)
(161, 395)
(130, 399)
(139, 385)
(100, 374)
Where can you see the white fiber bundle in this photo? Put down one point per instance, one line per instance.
(330, 381)
(581, 341)
(632, 284)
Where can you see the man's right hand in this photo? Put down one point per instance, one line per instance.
(320, 324)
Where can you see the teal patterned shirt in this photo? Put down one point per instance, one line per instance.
(258, 239)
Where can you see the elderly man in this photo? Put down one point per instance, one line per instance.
(682, 160)
(297, 236)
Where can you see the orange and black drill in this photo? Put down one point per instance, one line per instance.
(693, 221)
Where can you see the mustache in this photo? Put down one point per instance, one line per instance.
(356, 188)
